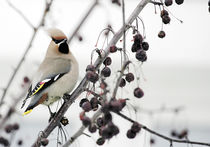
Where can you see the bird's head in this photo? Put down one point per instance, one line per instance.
(58, 46)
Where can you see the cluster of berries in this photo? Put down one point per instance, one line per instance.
(179, 135)
(170, 2)
(140, 47)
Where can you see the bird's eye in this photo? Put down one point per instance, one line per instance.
(63, 48)
(57, 41)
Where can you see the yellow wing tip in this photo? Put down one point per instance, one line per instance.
(27, 112)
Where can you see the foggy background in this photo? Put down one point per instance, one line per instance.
(175, 74)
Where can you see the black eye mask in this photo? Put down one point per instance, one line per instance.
(57, 41)
(63, 48)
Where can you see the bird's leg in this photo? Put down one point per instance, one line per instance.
(51, 113)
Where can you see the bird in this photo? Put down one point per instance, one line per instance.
(57, 74)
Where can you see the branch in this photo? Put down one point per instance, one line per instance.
(82, 21)
(42, 22)
(56, 120)
(171, 140)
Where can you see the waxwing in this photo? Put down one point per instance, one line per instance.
(56, 75)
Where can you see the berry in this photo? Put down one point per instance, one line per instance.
(141, 55)
(90, 68)
(163, 13)
(92, 128)
(106, 71)
(100, 141)
(138, 38)
(136, 127)
(94, 103)
(122, 82)
(209, 3)
(26, 79)
(82, 101)
(107, 61)
(173, 133)
(168, 2)
(113, 49)
(8, 128)
(145, 46)
(20, 142)
(183, 134)
(179, 2)
(161, 34)
(135, 47)
(106, 133)
(152, 140)
(86, 106)
(113, 128)
(108, 117)
(100, 122)
(115, 105)
(130, 134)
(16, 126)
(80, 38)
(44, 141)
(129, 77)
(86, 121)
(166, 19)
(138, 92)
(4, 141)
(92, 76)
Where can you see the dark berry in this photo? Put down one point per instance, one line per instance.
(115, 105)
(163, 13)
(20, 142)
(26, 80)
(138, 92)
(130, 134)
(179, 2)
(166, 19)
(174, 133)
(90, 68)
(136, 47)
(123, 102)
(100, 122)
(113, 128)
(92, 128)
(122, 82)
(94, 103)
(145, 46)
(80, 38)
(92, 76)
(168, 2)
(129, 77)
(209, 3)
(136, 127)
(108, 117)
(8, 128)
(106, 71)
(106, 132)
(86, 121)
(138, 38)
(82, 101)
(105, 107)
(152, 141)
(161, 34)
(113, 49)
(86, 106)
(16, 126)
(183, 134)
(141, 55)
(107, 61)
(44, 141)
(4, 141)
(100, 141)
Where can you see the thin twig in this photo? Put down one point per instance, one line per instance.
(56, 120)
(171, 140)
(71, 36)
(124, 38)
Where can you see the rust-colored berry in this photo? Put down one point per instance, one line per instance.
(161, 34)
(130, 134)
(107, 61)
(138, 92)
(106, 71)
(168, 2)
(179, 2)
(100, 141)
(122, 82)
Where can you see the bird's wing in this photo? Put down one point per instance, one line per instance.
(51, 72)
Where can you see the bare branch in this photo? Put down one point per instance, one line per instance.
(160, 135)
(21, 14)
(71, 36)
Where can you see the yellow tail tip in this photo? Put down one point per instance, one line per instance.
(29, 111)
